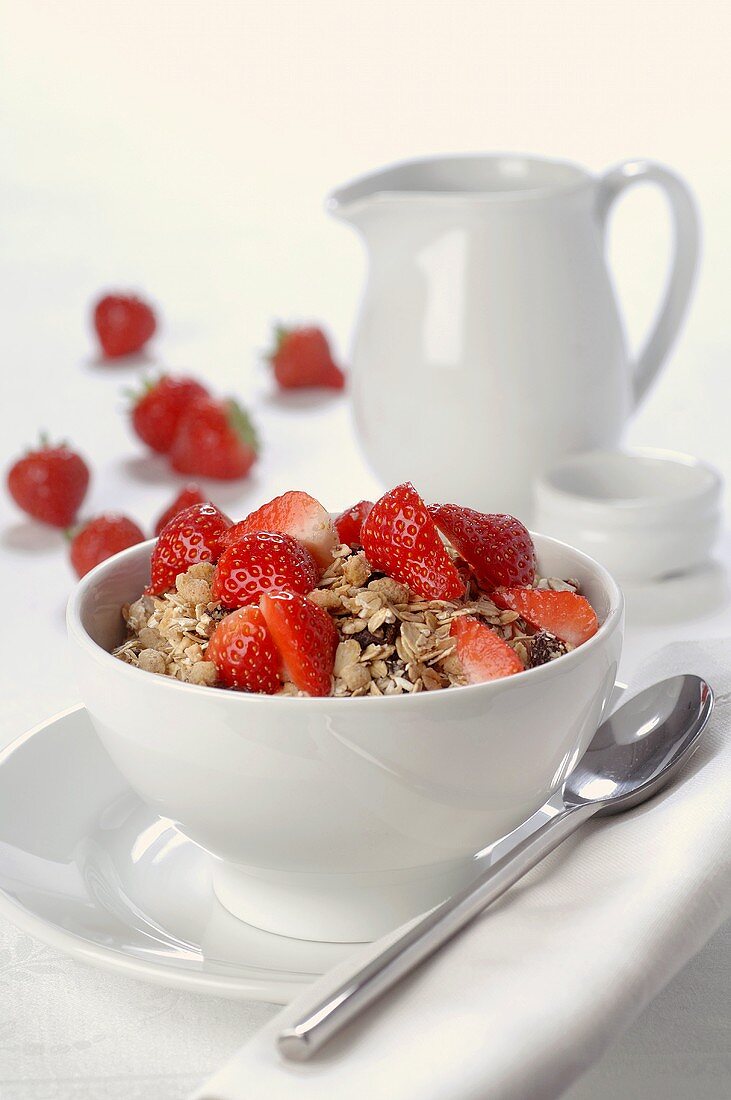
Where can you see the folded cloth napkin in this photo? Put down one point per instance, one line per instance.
(531, 994)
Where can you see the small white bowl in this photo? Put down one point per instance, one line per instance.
(644, 514)
(337, 819)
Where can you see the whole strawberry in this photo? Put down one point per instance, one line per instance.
(498, 547)
(123, 323)
(49, 484)
(214, 439)
(399, 537)
(157, 411)
(244, 653)
(302, 357)
(186, 498)
(100, 538)
(261, 562)
(190, 537)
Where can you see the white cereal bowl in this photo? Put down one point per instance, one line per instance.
(337, 819)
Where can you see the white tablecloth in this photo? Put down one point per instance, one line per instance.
(68, 1032)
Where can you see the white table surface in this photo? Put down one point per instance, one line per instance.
(190, 156)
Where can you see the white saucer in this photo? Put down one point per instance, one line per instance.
(87, 867)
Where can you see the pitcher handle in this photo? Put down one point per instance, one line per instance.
(687, 244)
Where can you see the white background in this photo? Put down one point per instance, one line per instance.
(186, 148)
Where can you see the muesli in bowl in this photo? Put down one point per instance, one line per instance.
(387, 599)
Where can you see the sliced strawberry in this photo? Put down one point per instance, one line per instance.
(566, 614)
(499, 548)
(296, 514)
(306, 637)
(244, 653)
(400, 538)
(263, 561)
(483, 653)
(194, 535)
(349, 523)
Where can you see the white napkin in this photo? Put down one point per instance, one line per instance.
(529, 996)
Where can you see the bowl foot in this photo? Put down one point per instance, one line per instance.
(335, 908)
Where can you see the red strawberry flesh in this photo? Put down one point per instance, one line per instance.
(566, 614)
(400, 538)
(483, 653)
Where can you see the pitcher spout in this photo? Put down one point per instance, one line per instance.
(397, 183)
(351, 202)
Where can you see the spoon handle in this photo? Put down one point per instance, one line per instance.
(299, 1041)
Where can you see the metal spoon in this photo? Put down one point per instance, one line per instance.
(632, 756)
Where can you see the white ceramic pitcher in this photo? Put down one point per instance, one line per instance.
(489, 341)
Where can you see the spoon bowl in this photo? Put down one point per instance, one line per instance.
(636, 751)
